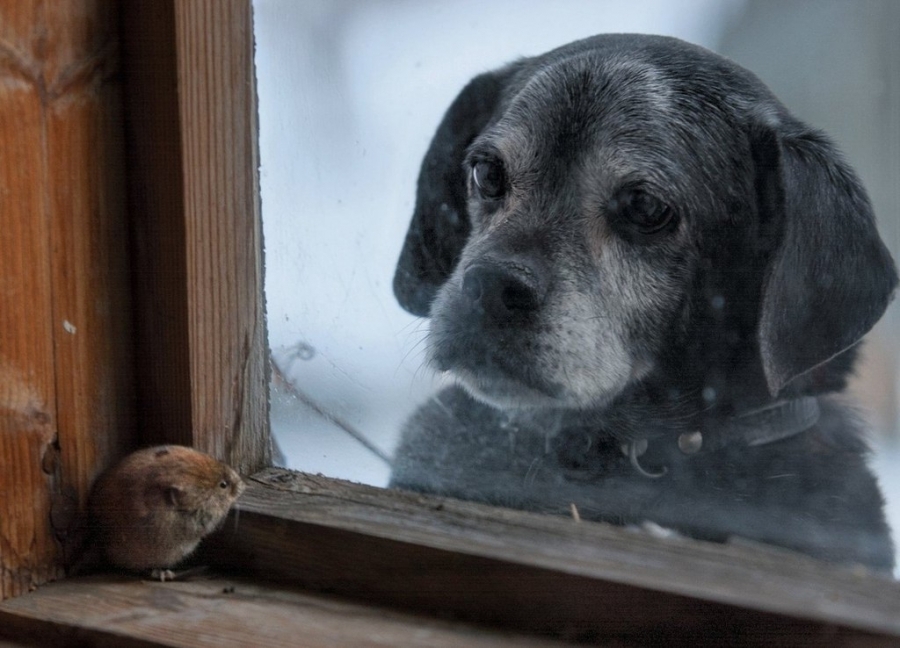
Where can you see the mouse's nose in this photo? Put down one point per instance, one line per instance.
(504, 292)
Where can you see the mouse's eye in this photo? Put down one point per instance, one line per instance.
(640, 211)
(489, 179)
(224, 484)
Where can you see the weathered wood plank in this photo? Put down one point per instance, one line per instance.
(541, 573)
(92, 324)
(65, 391)
(27, 389)
(226, 612)
(194, 195)
(224, 231)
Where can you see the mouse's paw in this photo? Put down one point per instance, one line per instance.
(162, 575)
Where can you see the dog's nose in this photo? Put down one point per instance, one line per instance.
(503, 292)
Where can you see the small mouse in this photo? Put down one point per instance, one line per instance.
(150, 511)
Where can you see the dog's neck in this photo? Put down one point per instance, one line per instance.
(644, 417)
(652, 445)
(767, 424)
(774, 422)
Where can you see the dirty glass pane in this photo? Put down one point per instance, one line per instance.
(351, 95)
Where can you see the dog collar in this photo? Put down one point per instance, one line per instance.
(757, 427)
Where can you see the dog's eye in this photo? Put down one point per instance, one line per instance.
(643, 212)
(489, 179)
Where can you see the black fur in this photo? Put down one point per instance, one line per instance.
(670, 249)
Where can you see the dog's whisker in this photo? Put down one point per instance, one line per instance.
(420, 329)
(413, 324)
(412, 350)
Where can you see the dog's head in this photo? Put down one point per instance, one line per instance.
(627, 206)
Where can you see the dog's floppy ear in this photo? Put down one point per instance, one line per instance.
(831, 277)
(440, 224)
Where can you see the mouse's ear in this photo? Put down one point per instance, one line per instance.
(831, 277)
(440, 223)
(173, 496)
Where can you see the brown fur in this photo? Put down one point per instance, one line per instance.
(151, 510)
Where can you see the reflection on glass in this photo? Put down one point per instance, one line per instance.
(621, 324)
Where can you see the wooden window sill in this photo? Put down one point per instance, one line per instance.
(214, 610)
(515, 571)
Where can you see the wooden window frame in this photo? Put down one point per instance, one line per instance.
(200, 375)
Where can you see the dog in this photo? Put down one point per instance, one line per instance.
(650, 282)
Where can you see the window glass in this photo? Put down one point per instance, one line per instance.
(350, 96)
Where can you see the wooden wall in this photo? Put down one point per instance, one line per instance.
(66, 403)
(130, 252)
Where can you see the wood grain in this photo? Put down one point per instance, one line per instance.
(122, 611)
(65, 389)
(224, 230)
(89, 233)
(193, 167)
(541, 573)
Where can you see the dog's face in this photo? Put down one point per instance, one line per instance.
(582, 200)
(628, 205)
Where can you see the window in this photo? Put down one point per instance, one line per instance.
(350, 96)
(200, 367)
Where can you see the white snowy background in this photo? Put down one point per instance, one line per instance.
(350, 93)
